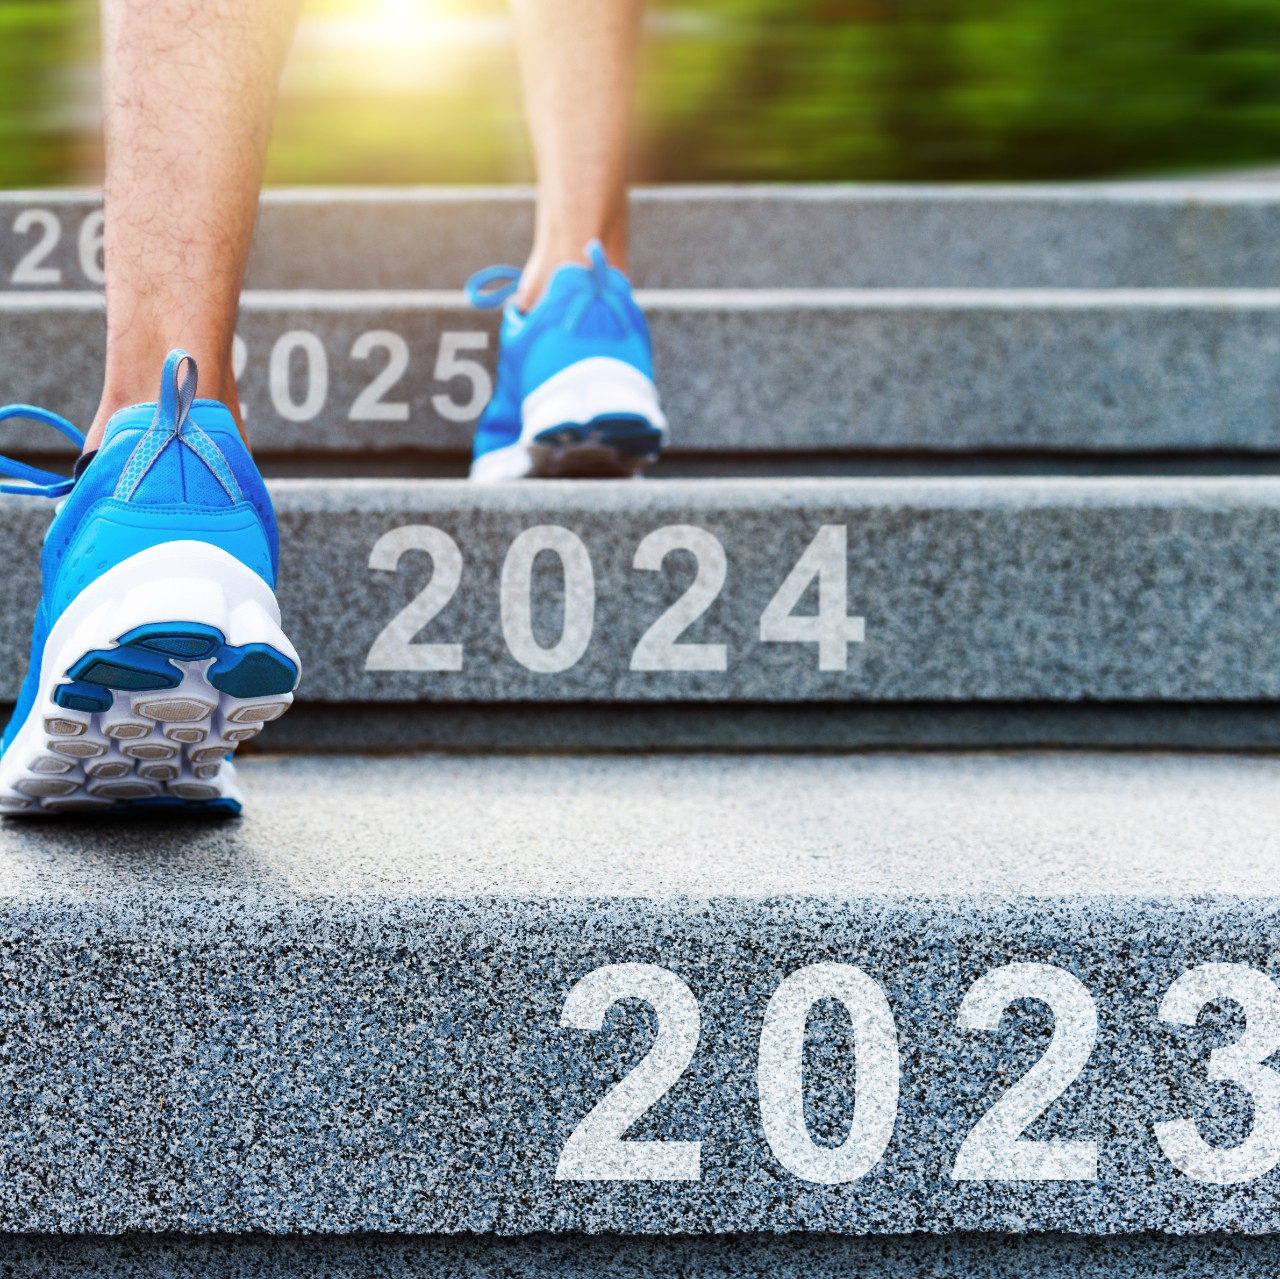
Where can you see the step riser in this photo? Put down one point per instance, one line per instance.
(968, 590)
(403, 1066)
(742, 374)
(1037, 599)
(1082, 237)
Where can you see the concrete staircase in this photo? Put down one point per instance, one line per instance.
(965, 469)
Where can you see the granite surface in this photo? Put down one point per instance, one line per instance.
(611, 1257)
(982, 825)
(1104, 235)
(344, 1012)
(971, 590)
(747, 371)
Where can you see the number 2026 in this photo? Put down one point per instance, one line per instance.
(994, 1150)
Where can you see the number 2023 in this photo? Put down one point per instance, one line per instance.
(824, 562)
(994, 1150)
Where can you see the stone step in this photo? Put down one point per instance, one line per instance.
(388, 999)
(742, 371)
(749, 591)
(1169, 234)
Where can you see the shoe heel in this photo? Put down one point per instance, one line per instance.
(149, 682)
(600, 417)
(591, 391)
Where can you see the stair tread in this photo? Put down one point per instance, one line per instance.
(363, 829)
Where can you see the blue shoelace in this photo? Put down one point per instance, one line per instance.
(495, 285)
(38, 483)
(481, 290)
(177, 394)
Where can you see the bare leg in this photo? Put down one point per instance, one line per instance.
(188, 92)
(578, 60)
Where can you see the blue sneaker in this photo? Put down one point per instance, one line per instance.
(575, 393)
(157, 647)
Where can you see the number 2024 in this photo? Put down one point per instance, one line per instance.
(824, 562)
(994, 1150)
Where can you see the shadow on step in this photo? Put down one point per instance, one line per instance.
(773, 727)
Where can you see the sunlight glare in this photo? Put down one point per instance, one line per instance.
(390, 46)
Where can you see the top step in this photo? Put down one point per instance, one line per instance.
(1162, 234)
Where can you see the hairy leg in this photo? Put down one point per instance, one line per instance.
(188, 92)
(578, 60)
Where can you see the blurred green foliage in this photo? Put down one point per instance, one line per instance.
(35, 49)
(734, 89)
(982, 89)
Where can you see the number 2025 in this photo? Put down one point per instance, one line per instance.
(994, 1150)
(824, 562)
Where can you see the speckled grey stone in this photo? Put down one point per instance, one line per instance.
(342, 1013)
(1104, 235)
(972, 590)
(611, 1257)
(751, 372)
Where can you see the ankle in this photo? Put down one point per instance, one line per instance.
(551, 253)
(122, 393)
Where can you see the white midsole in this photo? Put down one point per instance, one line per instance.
(181, 581)
(591, 389)
(594, 388)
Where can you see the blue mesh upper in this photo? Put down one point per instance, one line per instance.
(586, 312)
(128, 499)
(178, 497)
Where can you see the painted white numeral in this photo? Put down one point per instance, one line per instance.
(996, 1150)
(596, 1150)
(394, 649)
(90, 248)
(31, 268)
(831, 629)
(370, 406)
(315, 380)
(780, 1073)
(449, 364)
(517, 599)
(659, 649)
(1241, 1063)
